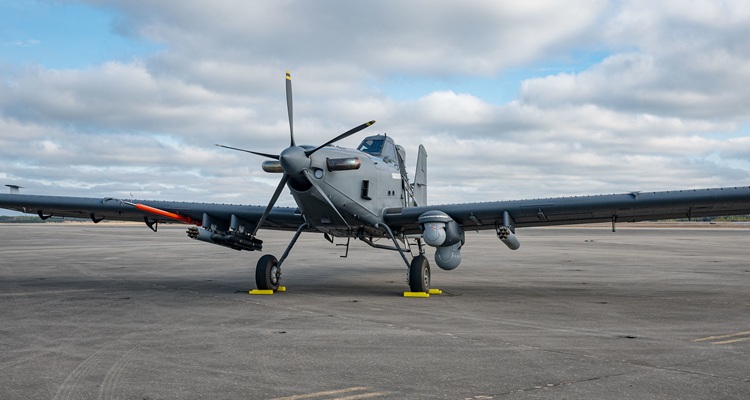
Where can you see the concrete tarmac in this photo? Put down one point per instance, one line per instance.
(113, 311)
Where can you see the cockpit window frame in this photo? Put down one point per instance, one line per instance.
(386, 149)
(388, 152)
(370, 148)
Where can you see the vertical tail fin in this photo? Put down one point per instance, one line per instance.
(420, 178)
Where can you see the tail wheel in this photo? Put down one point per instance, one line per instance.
(267, 273)
(419, 274)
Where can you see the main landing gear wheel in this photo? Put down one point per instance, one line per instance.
(419, 274)
(267, 273)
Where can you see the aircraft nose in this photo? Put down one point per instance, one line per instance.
(293, 160)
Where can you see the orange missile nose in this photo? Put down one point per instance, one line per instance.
(163, 213)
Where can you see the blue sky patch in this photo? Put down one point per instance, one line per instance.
(64, 36)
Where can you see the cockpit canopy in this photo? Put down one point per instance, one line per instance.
(380, 146)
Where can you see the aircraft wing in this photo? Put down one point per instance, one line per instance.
(96, 209)
(629, 207)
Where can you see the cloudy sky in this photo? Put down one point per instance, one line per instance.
(511, 99)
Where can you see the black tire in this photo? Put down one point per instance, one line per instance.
(267, 273)
(419, 274)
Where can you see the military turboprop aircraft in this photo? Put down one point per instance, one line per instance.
(365, 194)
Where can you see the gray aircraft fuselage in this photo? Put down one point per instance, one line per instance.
(356, 196)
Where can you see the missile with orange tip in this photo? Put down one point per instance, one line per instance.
(163, 213)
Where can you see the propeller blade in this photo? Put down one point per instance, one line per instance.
(322, 193)
(274, 156)
(275, 197)
(341, 136)
(289, 105)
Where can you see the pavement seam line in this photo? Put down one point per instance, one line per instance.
(722, 336)
(325, 393)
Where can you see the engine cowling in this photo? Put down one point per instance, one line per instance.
(441, 231)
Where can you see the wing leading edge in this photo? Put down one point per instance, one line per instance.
(280, 218)
(629, 207)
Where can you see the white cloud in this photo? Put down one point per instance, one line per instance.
(416, 36)
(686, 60)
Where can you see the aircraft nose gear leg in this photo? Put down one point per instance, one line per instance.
(268, 270)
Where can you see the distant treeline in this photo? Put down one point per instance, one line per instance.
(28, 219)
(727, 218)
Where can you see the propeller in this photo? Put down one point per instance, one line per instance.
(276, 193)
(341, 136)
(289, 106)
(295, 160)
(274, 156)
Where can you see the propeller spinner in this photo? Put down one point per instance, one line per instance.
(295, 160)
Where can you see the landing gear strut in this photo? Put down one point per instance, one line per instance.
(268, 270)
(418, 270)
